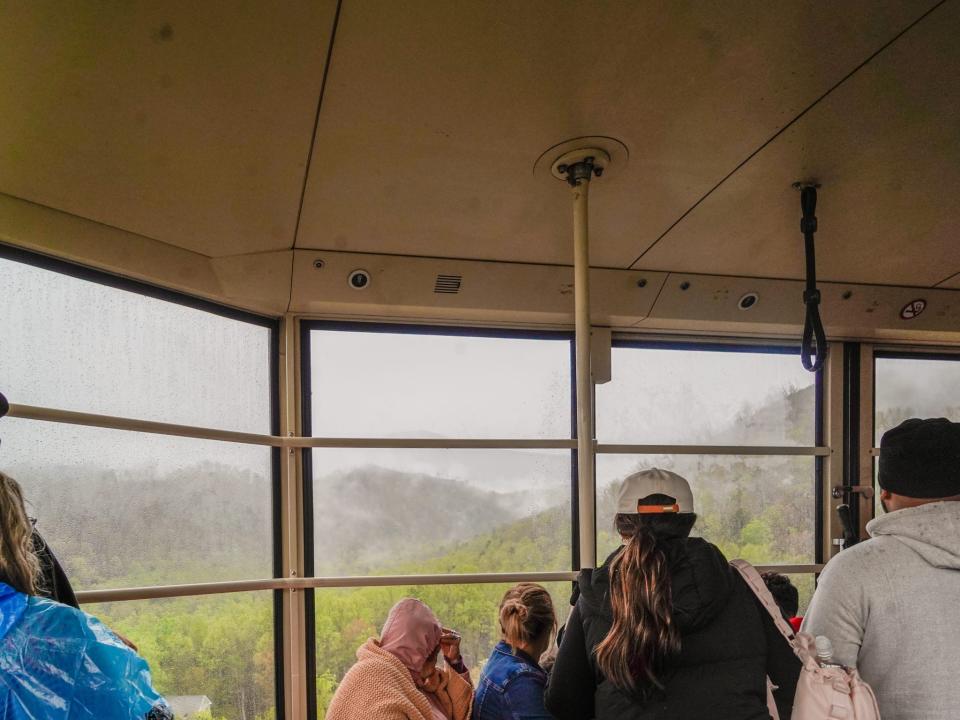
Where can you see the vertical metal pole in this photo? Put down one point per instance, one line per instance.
(291, 498)
(586, 484)
(867, 437)
(833, 380)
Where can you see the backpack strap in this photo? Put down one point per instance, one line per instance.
(756, 584)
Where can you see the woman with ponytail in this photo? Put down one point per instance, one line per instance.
(665, 629)
(512, 682)
(56, 662)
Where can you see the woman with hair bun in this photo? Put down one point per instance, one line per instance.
(513, 682)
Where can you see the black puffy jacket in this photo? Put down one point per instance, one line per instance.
(729, 645)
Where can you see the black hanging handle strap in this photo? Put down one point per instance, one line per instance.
(813, 347)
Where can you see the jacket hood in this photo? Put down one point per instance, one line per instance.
(931, 530)
(701, 582)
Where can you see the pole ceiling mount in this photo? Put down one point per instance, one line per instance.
(565, 161)
(580, 165)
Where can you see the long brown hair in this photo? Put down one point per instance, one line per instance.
(19, 566)
(643, 633)
(526, 613)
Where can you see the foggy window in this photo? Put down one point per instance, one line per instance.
(408, 384)
(126, 509)
(218, 646)
(756, 507)
(760, 508)
(73, 344)
(909, 387)
(409, 511)
(705, 397)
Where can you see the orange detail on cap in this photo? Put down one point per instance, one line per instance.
(652, 509)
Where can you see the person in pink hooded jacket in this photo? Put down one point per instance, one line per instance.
(397, 677)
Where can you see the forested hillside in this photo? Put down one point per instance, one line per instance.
(207, 522)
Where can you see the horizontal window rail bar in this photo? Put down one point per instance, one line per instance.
(70, 417)
(110, 422)
(619, 449)
(874, 452)
(238, 586)
(438, 443)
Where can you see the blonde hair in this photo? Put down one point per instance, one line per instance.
(526, 612)
(19, 565)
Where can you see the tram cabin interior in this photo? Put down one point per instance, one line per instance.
(311, 306)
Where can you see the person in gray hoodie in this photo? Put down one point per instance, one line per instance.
(889, 605)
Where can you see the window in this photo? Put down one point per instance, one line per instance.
(409, 509)
(406, 510)
(424, 383)
(220, 647)
(759, 507)
(693, 396)
(915, 386)
(127, 509)
(756, 507)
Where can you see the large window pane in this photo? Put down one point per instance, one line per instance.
(346, 618)
(404, 384)
(384, 512)
(127, 509)
(78, 345)
(217, 648)
(700, 397)
(759, 508)
(915, 387)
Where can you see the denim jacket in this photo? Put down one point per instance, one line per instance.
(510, 688)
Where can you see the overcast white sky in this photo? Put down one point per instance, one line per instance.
(77, 345)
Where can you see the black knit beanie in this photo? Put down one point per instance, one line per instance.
(921, 459)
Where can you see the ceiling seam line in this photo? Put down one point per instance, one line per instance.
(653, 305)
(313, 142)
(782, 130)
(107, 225)
(946, 279)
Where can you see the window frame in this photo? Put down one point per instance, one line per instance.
(757, 346)
(272, 325)
(307, 326)
(872, 353)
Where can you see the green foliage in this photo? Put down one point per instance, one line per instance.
(222, 646)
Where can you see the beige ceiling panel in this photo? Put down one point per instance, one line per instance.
(435, 112)
(259, 283)
(885, 146)
(187, 122)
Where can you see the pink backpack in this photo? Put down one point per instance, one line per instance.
(823, 693)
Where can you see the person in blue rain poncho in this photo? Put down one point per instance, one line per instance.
(57, 662)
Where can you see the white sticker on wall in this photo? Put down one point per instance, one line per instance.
(912, 309)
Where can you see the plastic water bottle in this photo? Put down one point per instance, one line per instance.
(825, 652)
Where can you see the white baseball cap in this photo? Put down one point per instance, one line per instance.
(654, 482)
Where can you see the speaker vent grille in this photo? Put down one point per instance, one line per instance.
(449, 284)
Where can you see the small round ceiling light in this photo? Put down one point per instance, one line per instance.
(748, 301)
(359, 279)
